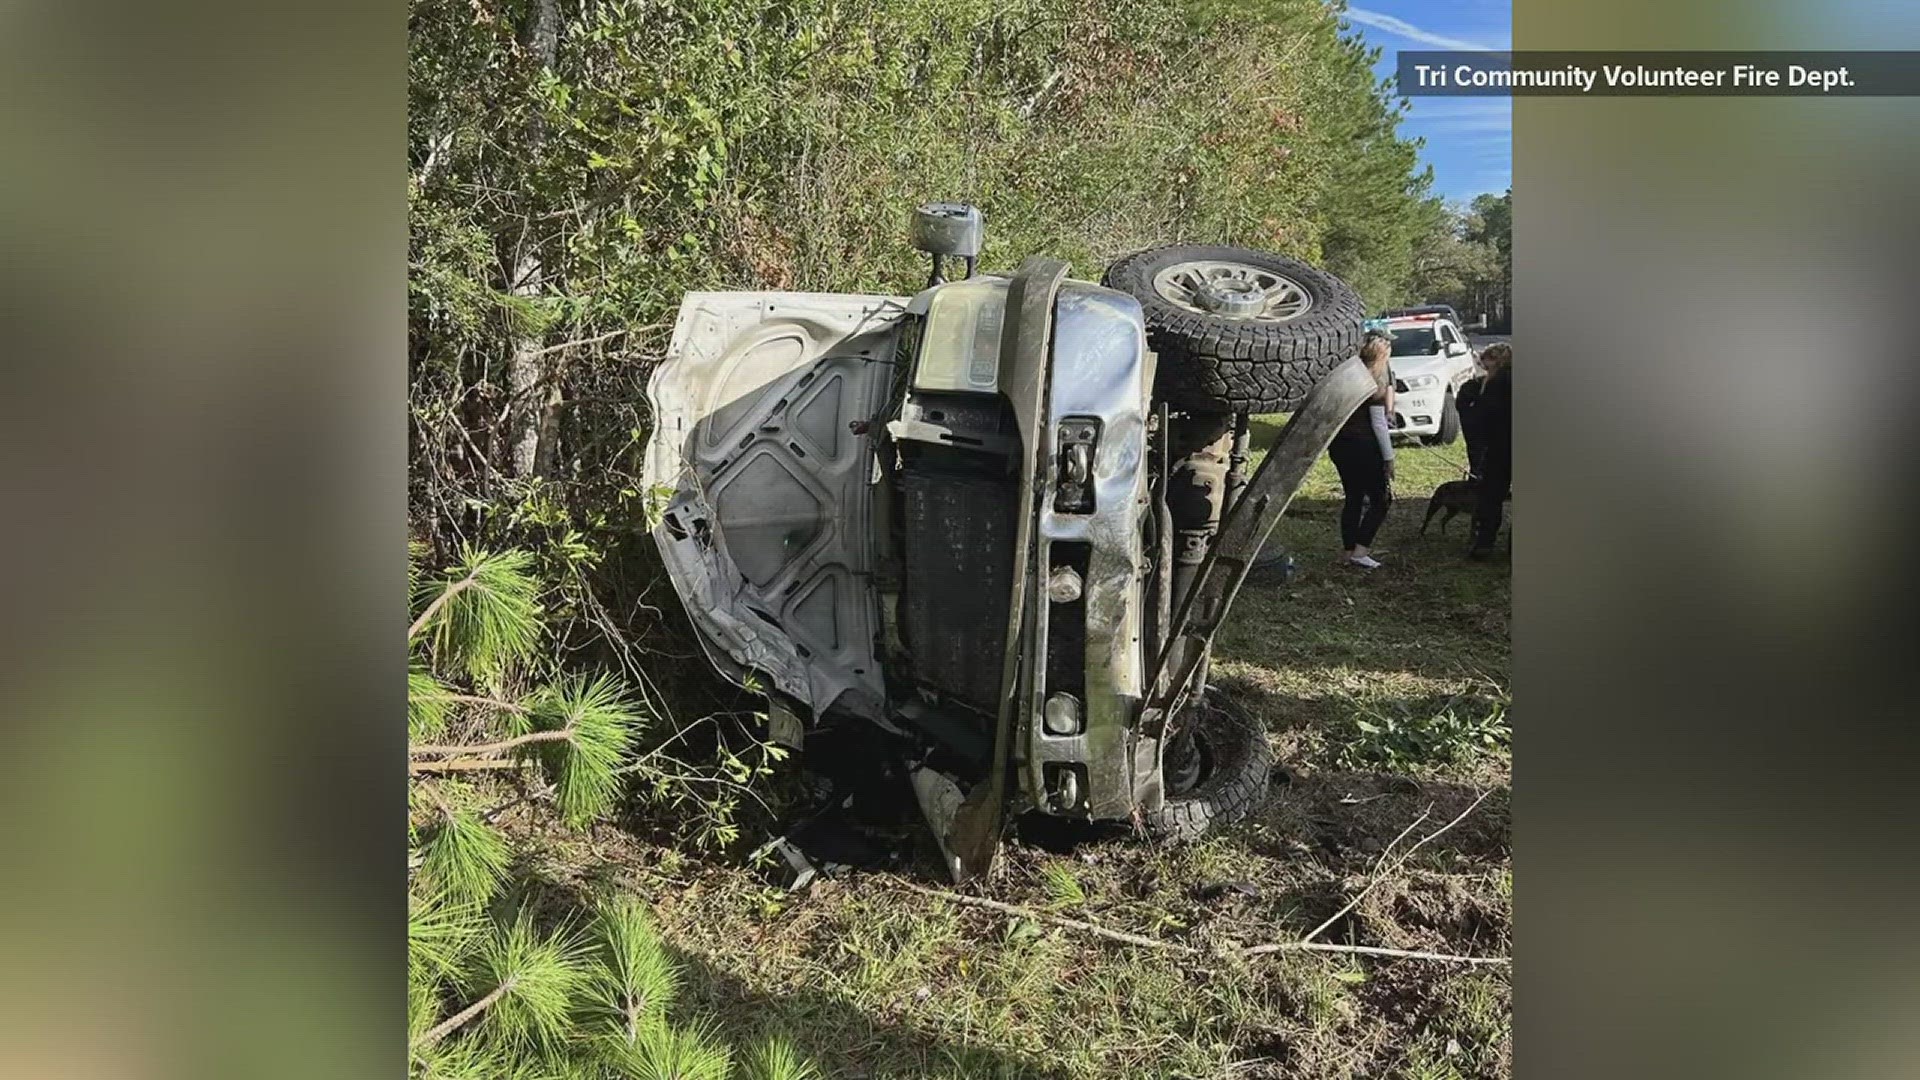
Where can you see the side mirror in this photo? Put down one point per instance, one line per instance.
(1456, 349)
(948, 229)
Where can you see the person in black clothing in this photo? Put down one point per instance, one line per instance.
(1492, 434)
(1362, 453)
(1472, 421)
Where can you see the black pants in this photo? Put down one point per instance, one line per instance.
(1363, 476)
(1496, 483)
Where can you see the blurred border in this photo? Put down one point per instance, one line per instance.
(203, 214)
(1714, 317)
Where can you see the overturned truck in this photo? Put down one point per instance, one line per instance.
(998, 522)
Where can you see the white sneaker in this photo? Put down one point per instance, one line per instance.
(1365, 562)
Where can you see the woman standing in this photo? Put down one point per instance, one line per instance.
(1362, 453)
(1494, 418)
(1473, 419)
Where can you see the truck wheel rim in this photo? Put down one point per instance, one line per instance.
(1232, 290)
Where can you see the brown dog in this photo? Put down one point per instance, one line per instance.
(1454, 496)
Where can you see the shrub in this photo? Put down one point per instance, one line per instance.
(1417, 734)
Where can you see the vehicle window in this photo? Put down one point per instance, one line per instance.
(1413, 341)
(1447, 335)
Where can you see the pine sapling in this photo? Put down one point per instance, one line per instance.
(427, 703)
(465, 1059)
(672, 1052)
(776, 1059)
(636, 982)
(465, 857)
(482, 616)
(524, 988)
(599, 722)
(423, 1004)
(441, 931)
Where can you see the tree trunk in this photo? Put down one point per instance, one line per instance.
(526, 373)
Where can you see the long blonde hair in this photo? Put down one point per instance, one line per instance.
(1375, 352)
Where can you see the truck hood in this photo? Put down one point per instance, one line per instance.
(1408, 366)
(758, 470)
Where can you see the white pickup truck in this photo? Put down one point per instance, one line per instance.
(1431, 359)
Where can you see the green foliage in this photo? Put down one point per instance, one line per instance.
(600, 722)
(673, 1052)
(681, 145)
(466, 1060)
(776, 1059)
(440, 930)
(483, 615)
(465, 857)
(1466, 259)
(1412, 735)
(1063, 888)
(635, 983)
(515, 999)
(423, 1003)
(427, 704)
(538, 978)
(560, 1002)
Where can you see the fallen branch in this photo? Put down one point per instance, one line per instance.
(1378, 866)
(1380, 870)
(1188, 950)
(453, 1023)
(1041, 916)
(493, 703)
(421, 768)
(1381, 873)
(1372, 950)
(479, 749)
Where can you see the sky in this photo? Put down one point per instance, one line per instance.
(1469, 139)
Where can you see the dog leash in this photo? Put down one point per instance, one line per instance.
(1466, 471)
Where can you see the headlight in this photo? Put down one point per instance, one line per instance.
(1422, 382)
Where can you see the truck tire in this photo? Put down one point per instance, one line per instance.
(1239, 330)
(1449, 424)
(1235, 760)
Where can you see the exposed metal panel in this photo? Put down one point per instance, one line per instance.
(1101, 369)
(767, 519)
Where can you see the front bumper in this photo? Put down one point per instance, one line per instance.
(1418, 412)
(1085, 651)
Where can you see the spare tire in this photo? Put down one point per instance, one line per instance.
(1239, 330)
(1216, 770)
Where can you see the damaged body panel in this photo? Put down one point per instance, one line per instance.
(1086, 655)
(766, 528)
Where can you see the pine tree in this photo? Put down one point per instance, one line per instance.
(494, 990)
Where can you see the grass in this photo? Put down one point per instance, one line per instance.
(868, 980)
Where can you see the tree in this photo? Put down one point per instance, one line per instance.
(493, 987)
(1491, 223)
(1466, 259)
(576, 168)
